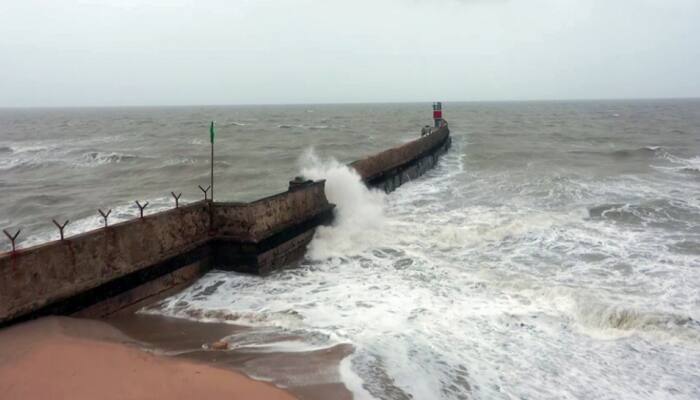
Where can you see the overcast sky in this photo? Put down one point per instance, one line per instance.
(181, 52)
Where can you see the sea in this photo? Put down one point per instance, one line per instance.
(553, 253)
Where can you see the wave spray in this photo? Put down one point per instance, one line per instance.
(359, 213)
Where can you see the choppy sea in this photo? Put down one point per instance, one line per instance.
(554, 252)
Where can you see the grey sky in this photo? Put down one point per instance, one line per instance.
(152, 52)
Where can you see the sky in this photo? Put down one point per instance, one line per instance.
(187, 52)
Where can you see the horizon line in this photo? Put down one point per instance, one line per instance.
(534, 100)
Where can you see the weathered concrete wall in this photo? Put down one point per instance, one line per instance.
(102, 271)
(259, 236)
(33, 278)
(256, 221)
(150, 290)
(376, 170)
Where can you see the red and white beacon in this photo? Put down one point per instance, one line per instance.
(437, 114)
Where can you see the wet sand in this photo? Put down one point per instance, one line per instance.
(308, 375)
(67, 358)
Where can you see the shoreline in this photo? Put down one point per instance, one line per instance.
(68, 358)
(309, 374)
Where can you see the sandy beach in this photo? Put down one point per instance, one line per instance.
(65, 358)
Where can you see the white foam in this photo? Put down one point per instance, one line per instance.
(461, 292)
(359, 210)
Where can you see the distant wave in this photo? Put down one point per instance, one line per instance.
(644, 152)
(654, 212)
(31, 148)
(23, 156)
(45, 156)
(678, 164)
(310, 127)
(688, 164)
(95, 158)
(235, 124)
(647, 151)
(179, 161)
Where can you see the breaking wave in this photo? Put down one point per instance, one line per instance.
(310, 127)
(359, 211)
(95, 158)
(614, 321)
(47, 155)
(235, 124)
(661, 211)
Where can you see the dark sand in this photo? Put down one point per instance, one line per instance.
(66, 358)
(308, 375)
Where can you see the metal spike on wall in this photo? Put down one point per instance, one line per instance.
(105, 215)
(141, 207)
(177, 199)
(13, 238)
(205, 191)
(60, 227)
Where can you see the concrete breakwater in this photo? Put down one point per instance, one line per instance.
(102, 271)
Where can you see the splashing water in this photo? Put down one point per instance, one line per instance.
(359, 210)
(553, 253)
(450, 291)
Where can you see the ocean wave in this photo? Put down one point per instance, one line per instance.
(685, 165)
(178, 161)
(6, 150)
(615, 321)
(181, 308)
(654, 211)
(95, 158)
(690, 170)
(302, 126)
(359, 210)
(647, 151)
(273, 339)
(641, 152)
(235, 124)
(27, 156)
(32, 148)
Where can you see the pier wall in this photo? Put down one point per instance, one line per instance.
(100, 264)
(393, 167)
(259, 236)
(100, 272)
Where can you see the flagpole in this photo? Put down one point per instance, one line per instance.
(211, 131)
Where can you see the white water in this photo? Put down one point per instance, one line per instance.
(359, 215)
(447, 298)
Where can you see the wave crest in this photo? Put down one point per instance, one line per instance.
(613, 321)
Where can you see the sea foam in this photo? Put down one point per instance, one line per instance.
(359, 210)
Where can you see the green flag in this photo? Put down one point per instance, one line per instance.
(211, 131)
